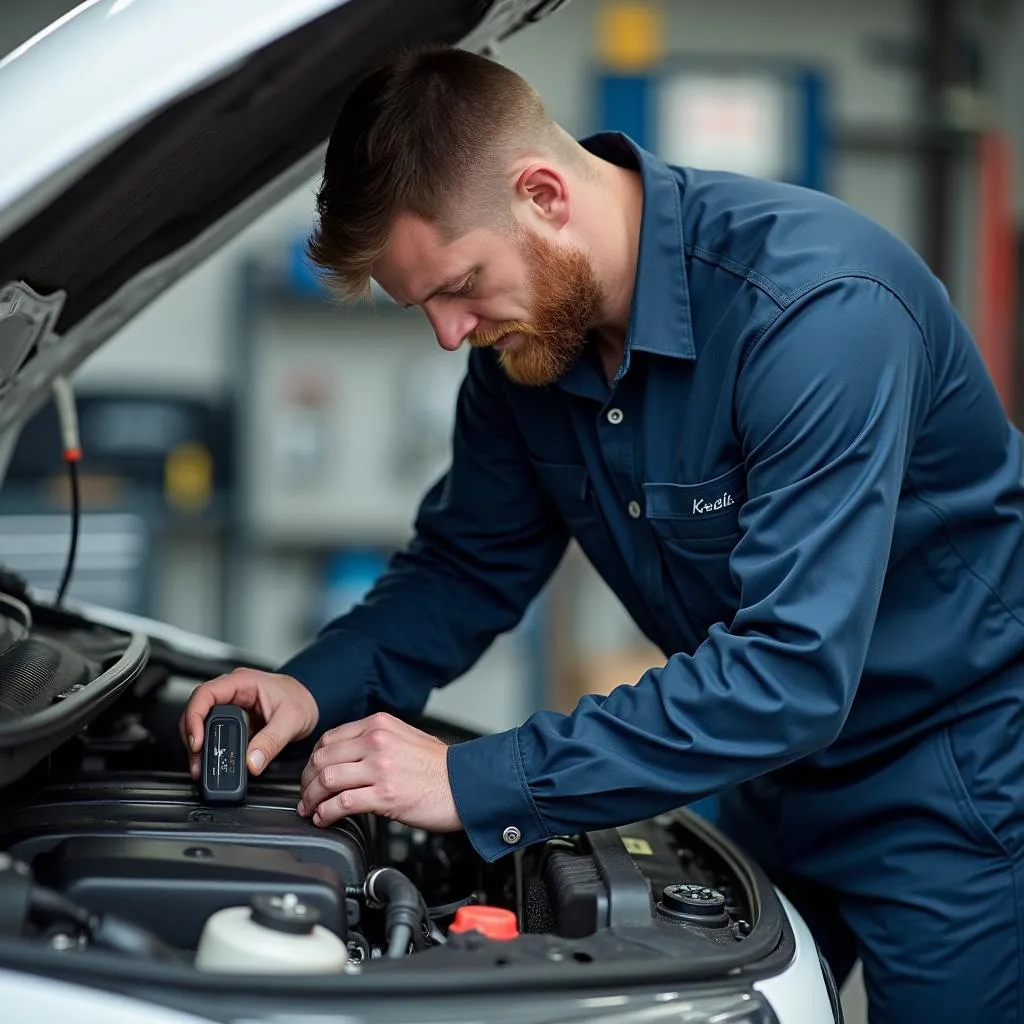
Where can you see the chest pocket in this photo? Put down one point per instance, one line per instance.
(697, 526)
(707, 511)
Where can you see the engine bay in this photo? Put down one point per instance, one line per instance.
(140, 847)
(108, 848)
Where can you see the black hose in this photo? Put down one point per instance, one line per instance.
(107, 931)
(118, 934)
(76, 522)
(403, 907)
(399, 937)
(71, 443)
(46, 906)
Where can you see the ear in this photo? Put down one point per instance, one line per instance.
(547, 193)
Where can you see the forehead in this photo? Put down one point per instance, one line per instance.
(419, 256)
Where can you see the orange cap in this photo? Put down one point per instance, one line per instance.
(492, 922)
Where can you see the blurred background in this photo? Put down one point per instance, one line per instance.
(253, 453)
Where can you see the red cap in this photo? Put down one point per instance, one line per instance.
(493, 922)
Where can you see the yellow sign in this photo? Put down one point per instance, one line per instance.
(188, 477)
(630, 35)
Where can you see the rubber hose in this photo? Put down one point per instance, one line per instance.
(125, 937)
(403, 905)
(399, 937)
(46, 906)
(107, 930)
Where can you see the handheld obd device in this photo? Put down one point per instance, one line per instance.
(224, 776)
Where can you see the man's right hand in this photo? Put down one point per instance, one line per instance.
(280, 708)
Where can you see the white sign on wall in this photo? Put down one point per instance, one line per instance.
(726, 122)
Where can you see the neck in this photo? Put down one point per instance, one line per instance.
(618, 211)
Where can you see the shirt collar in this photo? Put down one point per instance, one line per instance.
(660, 319)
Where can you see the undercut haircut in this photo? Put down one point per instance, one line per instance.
(431, 133)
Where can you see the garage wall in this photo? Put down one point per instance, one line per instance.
(182, 337)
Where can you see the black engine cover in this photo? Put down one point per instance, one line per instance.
(149, 850)
(170, 887)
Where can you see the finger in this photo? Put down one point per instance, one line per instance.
(284, 725)
(229, 689)
(352, 730)
(350, 801)
(190, 725)
(334, 753)
(193, 765)
(195, 699)
(333, 779)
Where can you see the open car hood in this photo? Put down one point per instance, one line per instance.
(141, 135)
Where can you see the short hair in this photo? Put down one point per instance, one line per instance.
(427, 133)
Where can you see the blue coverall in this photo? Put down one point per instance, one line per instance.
(804, 489)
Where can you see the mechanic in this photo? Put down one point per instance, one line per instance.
(761, 418)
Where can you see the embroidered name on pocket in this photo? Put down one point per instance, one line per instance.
(718, 499)
(704, 506)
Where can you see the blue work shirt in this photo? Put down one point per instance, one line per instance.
(800, 483)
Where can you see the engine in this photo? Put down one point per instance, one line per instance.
(107, 845)
(256, 887)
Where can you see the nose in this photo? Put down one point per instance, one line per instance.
(451, 327)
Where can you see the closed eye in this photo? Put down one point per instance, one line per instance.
(464, 290)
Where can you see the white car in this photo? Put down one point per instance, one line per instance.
(138, 137)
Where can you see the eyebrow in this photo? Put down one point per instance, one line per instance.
(446, 286)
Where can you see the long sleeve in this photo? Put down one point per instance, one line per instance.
(486, 540)
(826, 406)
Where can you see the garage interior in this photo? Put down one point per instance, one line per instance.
(253, 453)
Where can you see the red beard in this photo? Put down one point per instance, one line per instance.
(567, 299)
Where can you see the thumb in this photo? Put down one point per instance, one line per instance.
(269, 742)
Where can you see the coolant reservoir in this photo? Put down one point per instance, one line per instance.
(275, 934)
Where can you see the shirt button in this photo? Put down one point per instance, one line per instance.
(633, 508)
(511, 835)
(614, 417)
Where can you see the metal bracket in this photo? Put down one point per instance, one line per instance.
(27, 321)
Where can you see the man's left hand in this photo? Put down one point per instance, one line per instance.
(380, 765)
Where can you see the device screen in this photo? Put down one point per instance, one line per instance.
(225, 759)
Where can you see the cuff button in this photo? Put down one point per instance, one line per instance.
(511, 835)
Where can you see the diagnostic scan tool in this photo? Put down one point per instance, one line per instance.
(224, 776)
